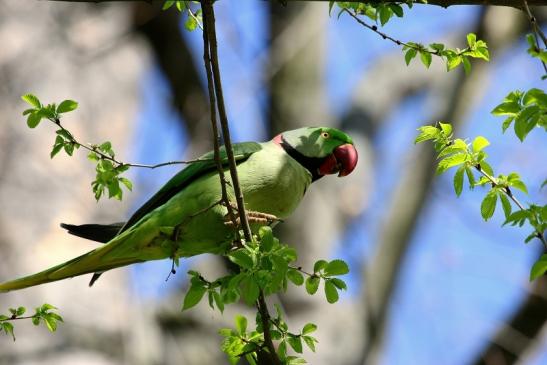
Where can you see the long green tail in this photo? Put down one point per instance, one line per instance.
(90, 262)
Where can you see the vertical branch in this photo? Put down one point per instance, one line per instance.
(538, 33)
(209, 20)
(216, 136)
(212, 66)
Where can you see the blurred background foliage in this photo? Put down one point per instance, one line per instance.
(431, 283)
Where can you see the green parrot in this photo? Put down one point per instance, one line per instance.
(186, 217)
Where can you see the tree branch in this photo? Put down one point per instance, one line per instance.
(521, 330)
(442, 3)
(212, 66)
(207, 8)
(216, 136)
(509, 193)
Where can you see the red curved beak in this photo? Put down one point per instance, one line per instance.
(346, 157)
(343, 160)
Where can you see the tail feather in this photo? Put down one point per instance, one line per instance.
(88, 263)
(95, 232)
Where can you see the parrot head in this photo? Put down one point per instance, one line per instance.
(321, 150)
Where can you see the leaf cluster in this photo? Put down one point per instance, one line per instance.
(378, 12)
(264, 266)
(535, 51)
(453, 57)
(527, 109)
(44, 314)
(242, 342)
(108, 169)
(470, 159)
(194, 19)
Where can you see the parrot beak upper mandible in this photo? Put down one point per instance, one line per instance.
(343, 160)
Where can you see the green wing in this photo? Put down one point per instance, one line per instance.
(242, 151)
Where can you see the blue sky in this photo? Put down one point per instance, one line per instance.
(461, 276)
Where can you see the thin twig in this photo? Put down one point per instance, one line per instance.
(191, 14)
(508, 192)
(538, 33)
(216, 135)
(534, 23)
(398, 42)
(15, 318)
(302, 271)
(265, 318)
(104, 156)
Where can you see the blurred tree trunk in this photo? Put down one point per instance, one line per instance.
(455, 98)
(298, 97)
(162, 29)
(521, 331)
(60, 51)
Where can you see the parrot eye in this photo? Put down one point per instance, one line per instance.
(325, 135)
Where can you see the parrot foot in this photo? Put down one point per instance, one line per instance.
(252, 216)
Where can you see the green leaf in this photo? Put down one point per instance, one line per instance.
(33, 120)
(312, 284)
(446, 128)
(426, 58)
(55, 150)
(336, 267)
(485, 166)
(241, 324)
(266, 238)
(296, 277)
(32, 100)
(488, 205)
(479, 143)
(241, 258)
(51, 323)
(471, 40)
(506, 108)
(438, 47)
(331, 292)
(470, 176)
(526, 120)
(506, 123)
(309, 328)
(451, 161)
(310, 341)
(282, 350)
(35, 320)
(249, 290)
(20, 311)
(195, 293)
(67, 106)
(191, 24)
(295, 342)
(168, 4)
(458, 180)
(519, 185)
(466, 65)
(128, 184)
(8, 328)
(397, 9)
(506, 205)
(69, 148)
(385, 14)
(339, 283)
(319, 265)
(409, 55)
(426, 133)
(539, 268)
(453, 62)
